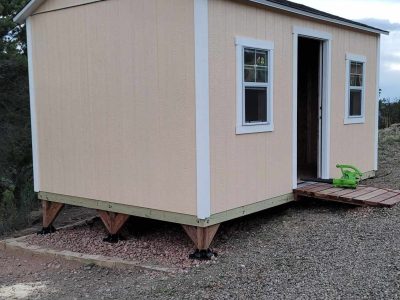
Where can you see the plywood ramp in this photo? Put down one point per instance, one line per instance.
(362, 195)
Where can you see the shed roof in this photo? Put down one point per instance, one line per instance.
(278, 4)
(317, 14)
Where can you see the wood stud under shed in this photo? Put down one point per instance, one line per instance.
(50, 212)
(113, 221)
(201, 236)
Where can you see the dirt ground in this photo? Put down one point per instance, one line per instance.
(69, 215)
(303, 250)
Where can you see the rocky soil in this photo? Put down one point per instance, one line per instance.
(145, 241)
(303, 250)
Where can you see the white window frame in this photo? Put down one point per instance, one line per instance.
(241, 126)
(347, 118)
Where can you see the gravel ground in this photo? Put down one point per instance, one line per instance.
(146, 241)
(69, 215)
(303, 250)
(388, 174)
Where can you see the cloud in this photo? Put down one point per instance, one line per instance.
(383, 14)
(390, 56)
(394, 67)
(381, 24)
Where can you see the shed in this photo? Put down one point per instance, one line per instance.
(194, 111)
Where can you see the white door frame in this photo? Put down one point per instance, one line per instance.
(326, 39)
(320, 91)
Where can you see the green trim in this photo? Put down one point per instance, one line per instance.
(249, 209)
(166, 215)
(123, 208)
(175, 217)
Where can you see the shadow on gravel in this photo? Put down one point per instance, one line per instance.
(140, 228)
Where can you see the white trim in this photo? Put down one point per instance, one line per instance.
(248, 42)
(354, 119)
(326, 38)
(312, 33)
(326, 109)
(27, 11)
(318, 17)
(356, 57)
(202, 109)
(378, 72)
(320, 90)
(32, 98)
(242, 128)
(294, 108)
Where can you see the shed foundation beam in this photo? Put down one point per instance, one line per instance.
(50, 212)
(202, 237)
(113, 223)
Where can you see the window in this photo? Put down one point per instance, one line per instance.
(355, 89)
(254, 85)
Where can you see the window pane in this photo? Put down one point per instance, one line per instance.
(255, 104)
(356, 73)
(356, 80)
(261, 58)
(360, 68)
(249, 56)
(249, 74)
(356, 68)
(261, 73)
(355, 103)
(353, 67)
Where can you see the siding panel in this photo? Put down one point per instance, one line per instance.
(249, 168)
(116, 105)
(50, 5)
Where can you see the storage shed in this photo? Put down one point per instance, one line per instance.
(194, 111)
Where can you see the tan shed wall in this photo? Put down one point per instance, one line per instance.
(253, 167)
(115, 102)
(50, 5)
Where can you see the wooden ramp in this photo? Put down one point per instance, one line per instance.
(362, 195)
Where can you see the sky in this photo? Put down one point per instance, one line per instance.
(383, 14)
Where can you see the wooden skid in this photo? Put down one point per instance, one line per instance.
(50, 212)
(201, 236)
(112, 221)
(362, 195)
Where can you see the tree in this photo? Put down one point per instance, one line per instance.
(16, 192)
(12, 35)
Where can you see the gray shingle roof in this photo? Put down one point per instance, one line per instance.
(312, 12)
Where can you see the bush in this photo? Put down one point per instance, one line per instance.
(17, 198)
(17, 201)
(389, 112)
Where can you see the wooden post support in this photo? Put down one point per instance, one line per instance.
(50, 212)
(113, 221)
(201, 236)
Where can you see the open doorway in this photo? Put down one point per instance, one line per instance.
(309, 107)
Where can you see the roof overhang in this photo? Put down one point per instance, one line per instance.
(34, 4)
(27, 11)
(342, 22)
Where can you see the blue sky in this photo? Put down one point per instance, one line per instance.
(384, 14)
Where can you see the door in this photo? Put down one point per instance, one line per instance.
(309, 108)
